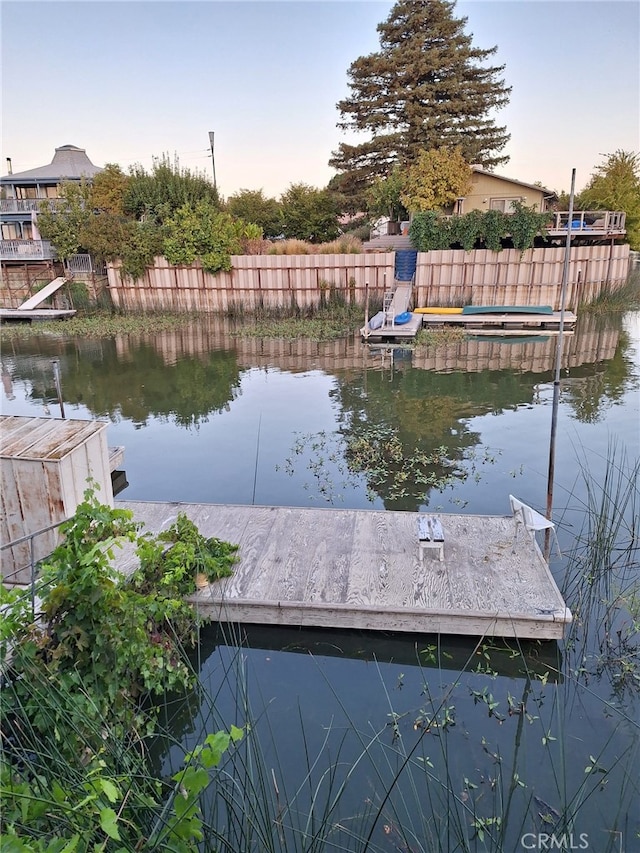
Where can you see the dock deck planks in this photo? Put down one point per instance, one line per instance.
(361, 569)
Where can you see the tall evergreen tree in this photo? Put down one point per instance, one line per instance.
(426, 88)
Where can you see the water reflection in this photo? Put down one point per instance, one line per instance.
(206, 415)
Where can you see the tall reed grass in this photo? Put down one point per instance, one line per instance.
(347, 244)
(626, 298)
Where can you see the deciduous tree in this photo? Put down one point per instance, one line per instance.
(64, 224)
(615, 185)
(253, 206)
(435, 180)
(159, 194)
(385, 196)
(309, 214)
(109, 189)
(427, 87)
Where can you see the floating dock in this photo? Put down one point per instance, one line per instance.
(35, 314)
(507, 320)
(478, 324)
(337, 568)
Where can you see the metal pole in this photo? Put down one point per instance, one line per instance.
(213, 158)
(366, 309)
(56, 379)
(556, 380)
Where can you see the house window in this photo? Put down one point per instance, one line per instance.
(12, 231)
(504, 205)
(9, 231)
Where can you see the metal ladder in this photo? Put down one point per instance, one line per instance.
(387, 307)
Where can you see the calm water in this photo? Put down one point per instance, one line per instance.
(208, 417)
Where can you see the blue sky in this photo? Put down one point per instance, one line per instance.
(132, 80)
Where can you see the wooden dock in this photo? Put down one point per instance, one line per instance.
(335, 568)
(35, 314)
(543, 323)
(479, 324)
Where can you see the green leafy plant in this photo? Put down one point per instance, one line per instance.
(494, 229)
(174, 557)
(525, 224)
(202, 232)
(428, 231)
(467, 230)
(107, 642)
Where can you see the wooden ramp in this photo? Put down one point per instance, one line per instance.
(401, 297)
(47, 291)
(361, 569)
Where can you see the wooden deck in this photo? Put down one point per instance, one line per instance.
(336, 568)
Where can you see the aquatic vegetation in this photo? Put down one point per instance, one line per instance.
(334, 320)
(376, 456)
(625, 298)
(100, 324)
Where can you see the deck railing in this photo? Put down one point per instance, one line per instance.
(27, 205)
(29, 250)
(590, 222)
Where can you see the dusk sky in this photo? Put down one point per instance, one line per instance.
(128, 81)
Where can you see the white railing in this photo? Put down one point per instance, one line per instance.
(590, 221)
(79, 264)
(18, 250)
(27, 205)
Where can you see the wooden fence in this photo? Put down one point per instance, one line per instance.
(480, 277)
(452, 277)
(269, 281)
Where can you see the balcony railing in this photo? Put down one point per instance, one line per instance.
(27, 205)
(589, 222)
(26, 250)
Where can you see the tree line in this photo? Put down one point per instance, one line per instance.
(425, 100)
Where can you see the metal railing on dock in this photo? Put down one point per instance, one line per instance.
(33, 562)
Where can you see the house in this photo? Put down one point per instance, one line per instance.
(495, 192)
(21, 193)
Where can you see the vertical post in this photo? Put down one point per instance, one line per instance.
(366, 309)
(556, 380)
(213, 158)
(33, 579)
(56, 379)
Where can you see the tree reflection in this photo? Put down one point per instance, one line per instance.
(428, 416)
(137, 387)
(591, 390)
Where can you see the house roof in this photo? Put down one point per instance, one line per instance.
(68, 162)
(544, 190)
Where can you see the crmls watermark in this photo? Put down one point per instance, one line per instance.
(546, 841)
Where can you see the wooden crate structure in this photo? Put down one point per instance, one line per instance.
(45, 466)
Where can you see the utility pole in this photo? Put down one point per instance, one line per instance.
(558, 365)
(213, 158)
